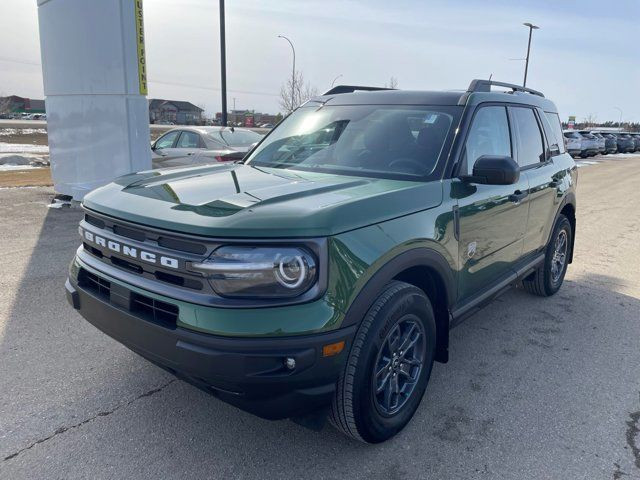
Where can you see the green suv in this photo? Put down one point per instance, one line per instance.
(320, 277)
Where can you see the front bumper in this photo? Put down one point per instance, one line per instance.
(249, 373)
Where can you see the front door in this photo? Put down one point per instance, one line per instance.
(164, 149)
(492, 218)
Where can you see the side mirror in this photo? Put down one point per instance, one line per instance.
(494, 170)
(554, 150)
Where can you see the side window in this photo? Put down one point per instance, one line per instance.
(530, 144)
(167, 140)
(553, 129)
(489, 135)
(189, 140)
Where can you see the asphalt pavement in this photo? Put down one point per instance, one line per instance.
(536, 388)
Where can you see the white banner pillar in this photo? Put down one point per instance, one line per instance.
(95, 83)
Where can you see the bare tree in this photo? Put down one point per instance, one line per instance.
(292, 97)
(590, 120)
(393, 83)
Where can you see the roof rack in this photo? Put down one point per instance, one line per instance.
(478, 85)
(352, 88)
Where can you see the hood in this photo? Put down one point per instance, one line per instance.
(235, 200)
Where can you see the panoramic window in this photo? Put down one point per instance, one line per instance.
(363, 140)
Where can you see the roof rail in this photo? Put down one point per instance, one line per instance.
(478, 85)
(352, 88)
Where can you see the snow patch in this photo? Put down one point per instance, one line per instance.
(23, 148)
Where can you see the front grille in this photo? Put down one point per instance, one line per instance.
(181, 245)
(93, 283)
(96, 222)
(157, 311)
(146, 308)
(129, 233)
(148, 240)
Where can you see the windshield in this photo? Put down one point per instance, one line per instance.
(237, 138)
(388, 141)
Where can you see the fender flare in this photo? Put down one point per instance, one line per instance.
(569, 199)
(416, 257)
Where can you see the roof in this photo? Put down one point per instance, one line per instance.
(206, 130)
(34, 104)
(155, 103)
(449, 97)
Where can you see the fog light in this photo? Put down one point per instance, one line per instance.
(290, 363)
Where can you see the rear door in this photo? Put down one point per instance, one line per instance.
(188, 145)
(534, 155)
(492, 218)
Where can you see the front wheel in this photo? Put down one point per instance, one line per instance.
(548, 278)
(388, 367)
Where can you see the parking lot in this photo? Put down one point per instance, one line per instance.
(535, 388)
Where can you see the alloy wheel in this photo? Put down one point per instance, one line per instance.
(398, 365)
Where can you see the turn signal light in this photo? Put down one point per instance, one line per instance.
(332, 349)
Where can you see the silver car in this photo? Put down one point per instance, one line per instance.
(590, 144)
(573, 142)
(195, 145)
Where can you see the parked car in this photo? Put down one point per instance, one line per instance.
(590, 144)
(196, 145)
(602, 143)
(636, 139)
(267, 125)
(611, 143)
(323, 273)
(626, 144)
(573, 142)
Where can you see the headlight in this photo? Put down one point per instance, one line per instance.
(265, 272)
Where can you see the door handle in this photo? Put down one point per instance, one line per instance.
(190, 153)
(517, 196)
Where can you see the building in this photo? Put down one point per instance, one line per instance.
(248, 118)
(174, 112)
(15, 104)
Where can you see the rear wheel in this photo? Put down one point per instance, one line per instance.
(548, 278)
(388, 367)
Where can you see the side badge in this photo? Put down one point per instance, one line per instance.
(471, 249)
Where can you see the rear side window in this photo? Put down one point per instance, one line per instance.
(189, 140)
(530, 144)
(555, 135)
(489, 135)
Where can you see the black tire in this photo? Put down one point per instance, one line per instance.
(547, 280)
(356, 410)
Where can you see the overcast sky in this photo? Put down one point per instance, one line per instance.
(586, 56)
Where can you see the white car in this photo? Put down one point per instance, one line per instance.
(195, 145)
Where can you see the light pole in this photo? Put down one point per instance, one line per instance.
(293, 73)
(620, 110)
(223, 66)
(334, 80)
(532, 27)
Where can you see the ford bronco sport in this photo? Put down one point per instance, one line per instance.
(320, 276)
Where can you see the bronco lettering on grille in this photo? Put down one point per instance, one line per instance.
(128, 250)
